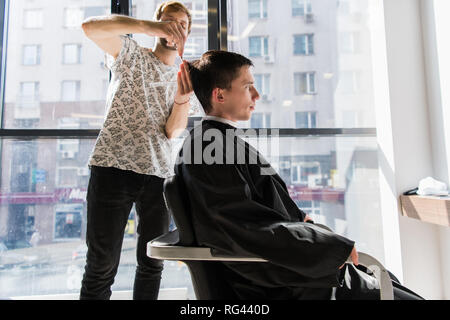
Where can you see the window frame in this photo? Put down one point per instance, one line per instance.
(307, 8)
(297, 83)
(78, 53)
(37, 58)
(309, 43)
(262, 12)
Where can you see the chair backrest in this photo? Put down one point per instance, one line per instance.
(178, 204)
(207, 276)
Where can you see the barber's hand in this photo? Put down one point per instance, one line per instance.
(308, 218)
(185, 88)
(172, 31)
(353, 256)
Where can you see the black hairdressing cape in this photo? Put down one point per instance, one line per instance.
(241, 206)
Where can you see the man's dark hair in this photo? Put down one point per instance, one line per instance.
(215, 69)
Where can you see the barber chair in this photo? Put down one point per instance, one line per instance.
(204, 263)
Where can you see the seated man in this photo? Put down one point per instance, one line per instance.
(240, 205)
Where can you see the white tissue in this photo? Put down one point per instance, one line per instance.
(432, 187)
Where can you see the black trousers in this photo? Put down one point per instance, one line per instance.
(110, 197)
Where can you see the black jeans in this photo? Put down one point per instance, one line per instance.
(110, 197)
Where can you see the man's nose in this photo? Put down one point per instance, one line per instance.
(255, 94)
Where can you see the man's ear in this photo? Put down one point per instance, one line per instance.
(217, 95)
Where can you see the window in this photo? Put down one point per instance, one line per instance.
(304, 44)
(68, 218)
(262, 84)
(29, 90)
(70, 90)
(33, 19)
(348, 82)
(344, 186)
(27, 105)
(257, 9)
(301, 7)
(349, 42)
(73, 17)
(306, 173)
(305, 120)
(260, 120)
(259, 46)
(71, 53)
(31, 55)
(305, 83)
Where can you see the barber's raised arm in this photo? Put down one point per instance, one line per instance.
(105, 31)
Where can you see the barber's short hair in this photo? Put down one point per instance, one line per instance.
(173, 6)
(215, 69)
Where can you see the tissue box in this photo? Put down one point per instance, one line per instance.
(427, 208)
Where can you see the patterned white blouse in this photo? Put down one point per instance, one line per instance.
(139, 101)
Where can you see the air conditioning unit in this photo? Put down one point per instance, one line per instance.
(269, 59)
(83, 171)
(309, 18)
(285, 165)
(68, 154)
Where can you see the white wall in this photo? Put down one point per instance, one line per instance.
(413, 153)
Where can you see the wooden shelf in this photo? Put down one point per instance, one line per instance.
(429, 209)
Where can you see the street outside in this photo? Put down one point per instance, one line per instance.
(63, 268)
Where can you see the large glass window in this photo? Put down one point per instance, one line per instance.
(45, 51)
(55, 78)
(321, 71)
(315, 74)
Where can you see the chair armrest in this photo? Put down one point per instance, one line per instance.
(165, 248)
(380, 272)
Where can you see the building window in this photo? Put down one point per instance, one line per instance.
(305, 173)
(301, 7)
(257, 9)
(260, 120)
(68, 219)
(262, 84)
(32, 19)
(306, 119)
(71, 53)
(304, 44)
(258, 46)
(31, 55)
(70, 91)
(29, 91)
(305, 83)
(309, 206)
(349, 42)
(348, 82)
(68, 150)
(73, 17)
